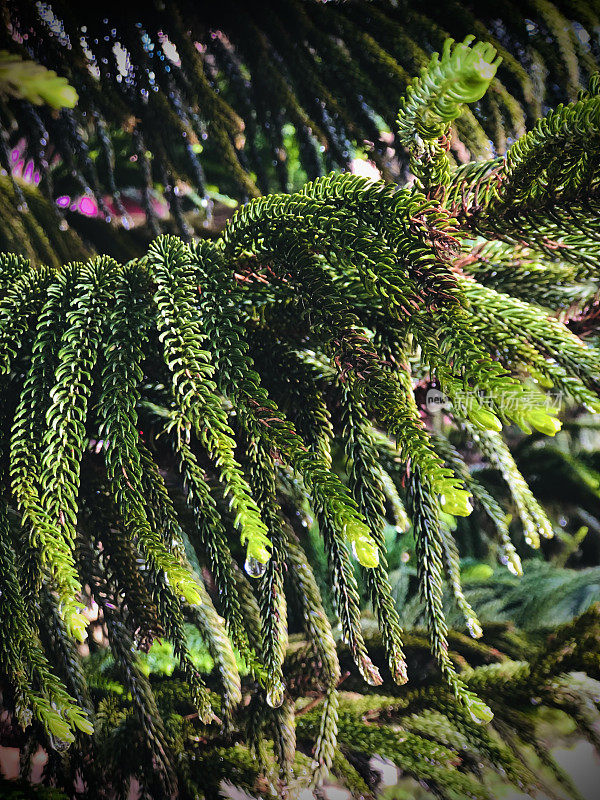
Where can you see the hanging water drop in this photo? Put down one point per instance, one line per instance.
(58, 744)
(254, 567)
(275, 694)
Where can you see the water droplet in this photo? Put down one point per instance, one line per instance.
(254, 567)
(63, 225)
(275, 694)
(59, 745)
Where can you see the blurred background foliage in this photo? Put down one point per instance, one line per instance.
(186, 110)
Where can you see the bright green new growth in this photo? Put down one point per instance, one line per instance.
(461, 75)
(433, 101)
(33, 82)
(164, 412)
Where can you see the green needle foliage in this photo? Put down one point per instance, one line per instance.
(222, 94)
(527, 679)
(170, 419)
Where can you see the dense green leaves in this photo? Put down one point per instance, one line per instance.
(174, 418)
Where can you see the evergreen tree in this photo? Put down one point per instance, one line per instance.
(172, 418)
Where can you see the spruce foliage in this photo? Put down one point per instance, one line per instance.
(167, 420)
